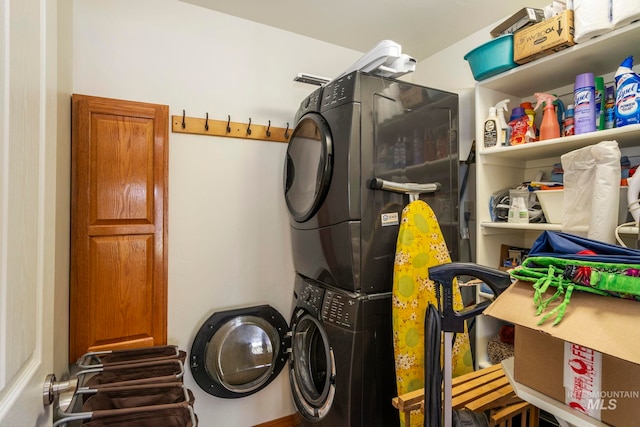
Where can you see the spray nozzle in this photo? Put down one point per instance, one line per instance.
(502, 105)
(544, 98)
(501, 108)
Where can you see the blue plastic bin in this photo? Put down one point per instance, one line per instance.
(491, 58)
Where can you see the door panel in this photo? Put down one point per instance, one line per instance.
(123, 182)
(119, 197)
(28, 194)
(128, 261)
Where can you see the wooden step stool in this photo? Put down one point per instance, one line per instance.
(483, 390)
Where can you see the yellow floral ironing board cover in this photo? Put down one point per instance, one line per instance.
(420, 246)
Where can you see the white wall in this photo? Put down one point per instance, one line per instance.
(228, 223)
(447, 69)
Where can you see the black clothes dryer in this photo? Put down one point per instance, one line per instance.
(338, 350)
(354, 129)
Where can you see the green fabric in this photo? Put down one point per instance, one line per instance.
(567, 275)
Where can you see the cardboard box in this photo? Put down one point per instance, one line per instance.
(544, 38)
(558, 361)
(523, 18)
(511, 256)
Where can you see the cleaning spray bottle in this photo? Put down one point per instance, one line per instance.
(505, 131)
(601, 97)
(627, 110)
(549, 127)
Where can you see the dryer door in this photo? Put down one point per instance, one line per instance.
(312, 369)
(238, 352)
(308, 166)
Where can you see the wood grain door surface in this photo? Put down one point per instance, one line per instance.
(118, 225)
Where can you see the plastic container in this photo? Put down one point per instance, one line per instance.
(519, 125)
(584, 104)
(568, 121)
(519, 206)
(491, 129)
(549, 127)
(601, 97)
(491, 58)
(551, 203)
(610, 109)
(627, 94)
(504, 131)
(528, 109)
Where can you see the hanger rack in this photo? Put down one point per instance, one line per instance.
(227, 128)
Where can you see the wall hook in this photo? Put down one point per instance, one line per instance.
(286, 131)
(184, 125)
(228, 122)
(249, 127)
(206, 122)
(268, 131)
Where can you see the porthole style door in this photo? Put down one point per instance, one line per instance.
(308, 167)
(238, 352)
(312, 370)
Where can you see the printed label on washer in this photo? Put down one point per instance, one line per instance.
(387, 219)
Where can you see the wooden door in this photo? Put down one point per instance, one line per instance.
(118, 294)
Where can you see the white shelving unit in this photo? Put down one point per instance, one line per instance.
(502, 167)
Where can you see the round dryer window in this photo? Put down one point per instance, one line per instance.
(308, 166)
(238, 352)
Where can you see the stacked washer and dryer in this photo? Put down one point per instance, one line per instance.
(352, 135)
(358, 144)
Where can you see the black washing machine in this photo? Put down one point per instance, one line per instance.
(355, 129)
(338, 350)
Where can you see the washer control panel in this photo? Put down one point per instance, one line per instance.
(310, 297)
(339, 91)
(310, 103)
(340, 309)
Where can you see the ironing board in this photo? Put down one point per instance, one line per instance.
(420, 245)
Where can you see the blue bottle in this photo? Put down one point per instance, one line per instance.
(627, 110)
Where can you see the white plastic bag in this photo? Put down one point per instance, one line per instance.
(592, 191)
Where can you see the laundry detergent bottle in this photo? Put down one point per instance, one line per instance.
(528, 109)
(549, 127)
(627, 111)
(519, 125)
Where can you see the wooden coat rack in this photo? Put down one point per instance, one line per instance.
(204, 126)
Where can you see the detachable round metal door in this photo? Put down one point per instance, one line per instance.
(312, 369)
(308, 167)
(239, 352)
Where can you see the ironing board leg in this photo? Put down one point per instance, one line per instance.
(447, 378)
